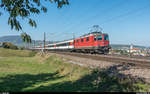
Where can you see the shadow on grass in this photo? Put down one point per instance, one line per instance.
(96, 81)
(100, 81)
(18, 82)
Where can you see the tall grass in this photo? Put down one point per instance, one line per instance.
(13, 53)
(23, 71)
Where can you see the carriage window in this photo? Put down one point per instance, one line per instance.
(77, 41)
(99, 37)
(81, 40)
(50, 46)
(68, 44)
(63, 44)
(106, 37)
(87, 39)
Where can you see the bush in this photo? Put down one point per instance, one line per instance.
(9, 45)
(21, 48)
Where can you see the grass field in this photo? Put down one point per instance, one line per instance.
(26, 71)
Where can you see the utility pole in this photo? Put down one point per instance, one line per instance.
(129, 52)
(43, 49)
(44, 40)
(73, 36)
(130, 48)
(34, 43)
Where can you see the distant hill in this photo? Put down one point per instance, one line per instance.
(17, 40)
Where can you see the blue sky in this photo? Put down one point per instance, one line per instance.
(126, 21)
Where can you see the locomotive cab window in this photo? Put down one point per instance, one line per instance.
(99, 37)
(106, 37)
(77, 41)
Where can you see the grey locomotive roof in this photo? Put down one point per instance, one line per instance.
(92, 33)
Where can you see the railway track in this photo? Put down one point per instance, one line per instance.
(115, 59)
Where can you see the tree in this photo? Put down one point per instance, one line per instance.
(26, 38)
(24, 9)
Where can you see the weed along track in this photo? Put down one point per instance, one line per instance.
(144, 63)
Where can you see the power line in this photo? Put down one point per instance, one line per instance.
(97, 14)
(113, 18)
(126, 14)
(87, 9)
(84, 20)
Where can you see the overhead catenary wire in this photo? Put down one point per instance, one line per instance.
(109, 9)
(73, 26)
(83, 12)
(125, 14)
(69, 23)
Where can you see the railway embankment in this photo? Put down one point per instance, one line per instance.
(113, 67)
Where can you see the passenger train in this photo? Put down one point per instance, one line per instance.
(94, 42)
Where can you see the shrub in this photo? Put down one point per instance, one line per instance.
(9, 45)
(21, 48)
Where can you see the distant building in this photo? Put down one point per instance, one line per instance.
(131, 46)
(134, 51)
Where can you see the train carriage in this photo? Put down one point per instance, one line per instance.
(64, 45)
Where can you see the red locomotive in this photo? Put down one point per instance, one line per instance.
(95, 42)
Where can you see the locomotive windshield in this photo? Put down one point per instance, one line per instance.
(99, 37)
(106, 37)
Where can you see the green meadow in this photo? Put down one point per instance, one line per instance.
(27, 71)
